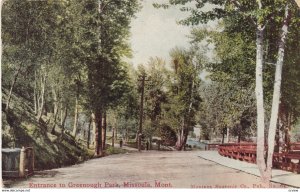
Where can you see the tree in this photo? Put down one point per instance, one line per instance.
(24, 35)
(106, 72)
(45, 48)
(184, 95)
(289, 102)
(228, 97)
(155, 95)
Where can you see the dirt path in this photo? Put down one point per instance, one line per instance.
(146, 169)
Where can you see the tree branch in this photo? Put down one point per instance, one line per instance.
(259, 4)
(238, 5)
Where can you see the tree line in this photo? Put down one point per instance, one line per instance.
(68, 60)
(67, 57)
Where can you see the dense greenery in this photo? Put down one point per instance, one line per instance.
(67, 59)
(266, 25)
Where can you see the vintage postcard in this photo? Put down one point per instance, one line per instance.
(150, 94)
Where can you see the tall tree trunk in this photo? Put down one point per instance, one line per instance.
(182, 138)
(150, 142)
(287, 139)
(179, 139)
(260, 159)
(185, 136)
(127, 134)
(114, 125)
(277, 138)
(227, 134)
(75, 117)
(93, 117)
(42, 96)
(239, 129)
(38, 96)
(12, 86)
(55, 100)
(223, 135)
(61, 111)
(116, 133)
(54, 122)
(113, 137)
(55, 108)
(64, 120)
(35, 94)
(89, 134)
(104, 131)
(186, 121)
(98, 134)
(239, 137)
(276, 94)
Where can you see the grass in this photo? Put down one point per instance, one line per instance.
(112, 151)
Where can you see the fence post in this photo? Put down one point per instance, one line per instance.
(22, 163)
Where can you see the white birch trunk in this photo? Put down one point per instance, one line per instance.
(94, 128)
(12, 86)
(61, 111)
(35, 94)
(227, 135)
(260, 159)
(64, 120)
(55, 100)
(43, 84)
(75, 118)
(113, 137)
(276, 93)
(38, 95)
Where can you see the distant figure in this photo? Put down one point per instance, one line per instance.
(147, 145)
(121, 143)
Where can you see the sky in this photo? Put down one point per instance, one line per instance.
(155, 32)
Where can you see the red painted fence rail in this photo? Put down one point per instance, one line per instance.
(289, 161)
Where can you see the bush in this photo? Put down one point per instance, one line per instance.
(168, 136)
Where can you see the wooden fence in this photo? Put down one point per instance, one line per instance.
(289, 160)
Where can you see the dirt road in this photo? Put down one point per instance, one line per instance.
(146, 169)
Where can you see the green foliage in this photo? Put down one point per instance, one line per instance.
(107, 75)
(184, 98)
(113, 151)
(155, 94)
(233, 69)
(59, 52)
(168, 135)
(125, 116)
(171, 96)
